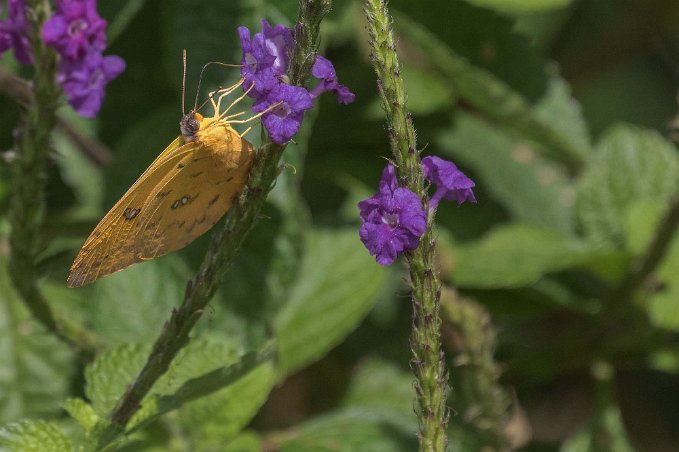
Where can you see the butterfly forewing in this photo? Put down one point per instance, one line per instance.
(183, 193)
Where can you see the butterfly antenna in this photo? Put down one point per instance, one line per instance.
(184, 82)
(200, 79)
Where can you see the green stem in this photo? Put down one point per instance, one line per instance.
(482, 402)
(226, 243)
(29, 179)
(425, 341)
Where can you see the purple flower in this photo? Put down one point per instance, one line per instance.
(14, 32)
(279, 44)
(325, 72)
(265, 57)
(284, 120)
(84, 80)
(451, 183)
(393, 220)
(75, 29)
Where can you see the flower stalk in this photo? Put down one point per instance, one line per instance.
(428, 358)
(29, 179)
(227, 242)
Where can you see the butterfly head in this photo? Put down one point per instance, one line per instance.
(190, 125)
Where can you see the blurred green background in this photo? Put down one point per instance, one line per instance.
(562, 111)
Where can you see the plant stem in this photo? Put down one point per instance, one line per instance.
(425, 341)
(29, 179)
(482, 402)
(226, 243)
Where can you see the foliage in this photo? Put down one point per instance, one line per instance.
(558, 110)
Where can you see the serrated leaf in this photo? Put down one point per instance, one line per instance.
(630, 165)
(110, 373)
(237, 385)
(534, 190)
(82, 412)
(131, 305)
(215, 420)
(336, 286)
(35, 367)
(522, 5)
(33, 436)
(345, 431)
(515, 256)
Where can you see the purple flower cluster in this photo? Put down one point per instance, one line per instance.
(266, 57)
(77, 32)
(14, 31)
(394, 219)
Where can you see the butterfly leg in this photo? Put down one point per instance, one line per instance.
(252, 118)
(225, 92)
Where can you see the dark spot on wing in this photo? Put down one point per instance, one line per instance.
(130, 214)
(213, 200)
(197, 174)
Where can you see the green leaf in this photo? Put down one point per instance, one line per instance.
(531, 188)
(515, 256)
(35, 367)
(428, 93)
(609, 430)
(131, 305)
(494, 97)
(379, 385)
(663, 306)
(336, 287)
(82, 412)
(217, 419)
(33, 436)
(110, 374)
(237, 385)
(522, 5)
(345, 431)
(481, 37)
(630, 166)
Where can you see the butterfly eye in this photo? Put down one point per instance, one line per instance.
(189, 126)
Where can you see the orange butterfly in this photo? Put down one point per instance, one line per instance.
(184, 192)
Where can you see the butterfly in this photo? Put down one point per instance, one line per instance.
(179, 197)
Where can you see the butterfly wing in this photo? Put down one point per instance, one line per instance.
(190, 202)
(181, 195)
(103, 251)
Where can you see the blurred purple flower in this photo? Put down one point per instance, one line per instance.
(14, 32)
(284, 120)
(75, 29)
(325, 72)
(451, 183)
(393, 220)
(84, 80)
